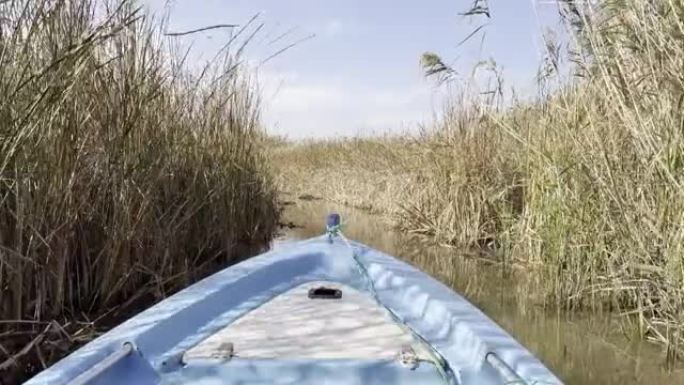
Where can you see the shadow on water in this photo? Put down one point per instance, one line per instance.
(580, 349)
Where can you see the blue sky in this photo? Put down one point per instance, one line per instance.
(360, 74)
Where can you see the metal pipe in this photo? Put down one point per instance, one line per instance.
(99, 368)
(506, 372)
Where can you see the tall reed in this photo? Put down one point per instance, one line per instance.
(582, 187)
(123, 174)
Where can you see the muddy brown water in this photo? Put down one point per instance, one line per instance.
(580, 349)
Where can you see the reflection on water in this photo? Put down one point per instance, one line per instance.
(580, 350)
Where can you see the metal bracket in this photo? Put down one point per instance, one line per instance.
(94, 371)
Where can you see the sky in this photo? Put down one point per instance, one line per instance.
(354, 69)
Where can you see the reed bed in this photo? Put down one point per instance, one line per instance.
(582, 187)
(124, 175)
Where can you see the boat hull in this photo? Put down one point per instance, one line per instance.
(468, 347)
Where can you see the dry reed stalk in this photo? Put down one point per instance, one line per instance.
(123, 175)
(584, 185)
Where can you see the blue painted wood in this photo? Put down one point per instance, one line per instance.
(460, 333)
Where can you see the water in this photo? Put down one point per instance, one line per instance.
(580, 349)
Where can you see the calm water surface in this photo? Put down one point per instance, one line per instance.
(579, 349)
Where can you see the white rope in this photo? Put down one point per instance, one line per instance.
(508, 374)
(440, 363)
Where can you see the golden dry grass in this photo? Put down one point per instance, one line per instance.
(582, 187)
(123, 175)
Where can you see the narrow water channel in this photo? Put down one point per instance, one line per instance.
(579, 349)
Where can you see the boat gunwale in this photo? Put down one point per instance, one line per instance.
(457, 330)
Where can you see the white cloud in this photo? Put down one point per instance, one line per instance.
(333, 27)
(298, 109)
(304, 98)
